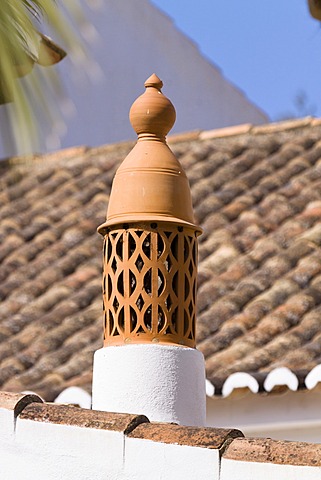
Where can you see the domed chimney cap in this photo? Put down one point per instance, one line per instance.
(150, 185)
(152, 114)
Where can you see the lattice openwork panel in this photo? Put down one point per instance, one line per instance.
(149, 284)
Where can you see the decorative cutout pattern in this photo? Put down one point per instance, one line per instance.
(149, 284)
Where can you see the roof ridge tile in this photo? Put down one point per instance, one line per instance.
(80, 417)
(203, 437)
(246, 128)
(281, 452)
(17, 401)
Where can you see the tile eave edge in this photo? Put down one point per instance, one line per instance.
(301, 385)
(245, 129)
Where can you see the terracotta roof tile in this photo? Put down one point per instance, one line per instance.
(257, 195)
(230, 442)
(17, 401)
(79, 417)
(213, 438)
(273, 451)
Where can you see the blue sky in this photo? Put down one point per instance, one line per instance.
(270, 49)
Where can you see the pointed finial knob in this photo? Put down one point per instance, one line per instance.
(152, 114)
(154, 81)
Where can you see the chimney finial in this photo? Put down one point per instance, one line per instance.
(152, 114)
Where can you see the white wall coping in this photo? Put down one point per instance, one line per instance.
(58, 441)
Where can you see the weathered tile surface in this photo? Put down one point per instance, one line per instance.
(281, 452)
(257, 195)
(206, 437)
(80, 417)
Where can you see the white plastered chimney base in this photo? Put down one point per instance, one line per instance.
(164, 382)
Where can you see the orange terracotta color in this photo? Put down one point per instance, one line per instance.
(150, 184)
(150, 239)
(149, 284)
(152, 113)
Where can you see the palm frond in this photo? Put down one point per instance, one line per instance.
(21, 46)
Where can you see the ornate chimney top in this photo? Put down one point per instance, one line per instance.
(150, 250)
(150, 363)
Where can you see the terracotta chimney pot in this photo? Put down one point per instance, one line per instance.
(150, 251)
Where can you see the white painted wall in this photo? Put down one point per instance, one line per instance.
(131, 40)
(160, 461)
(289, 416)
(49, 451)
(36, 450)
(236, 470)
(39, 451)
(166, 383)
